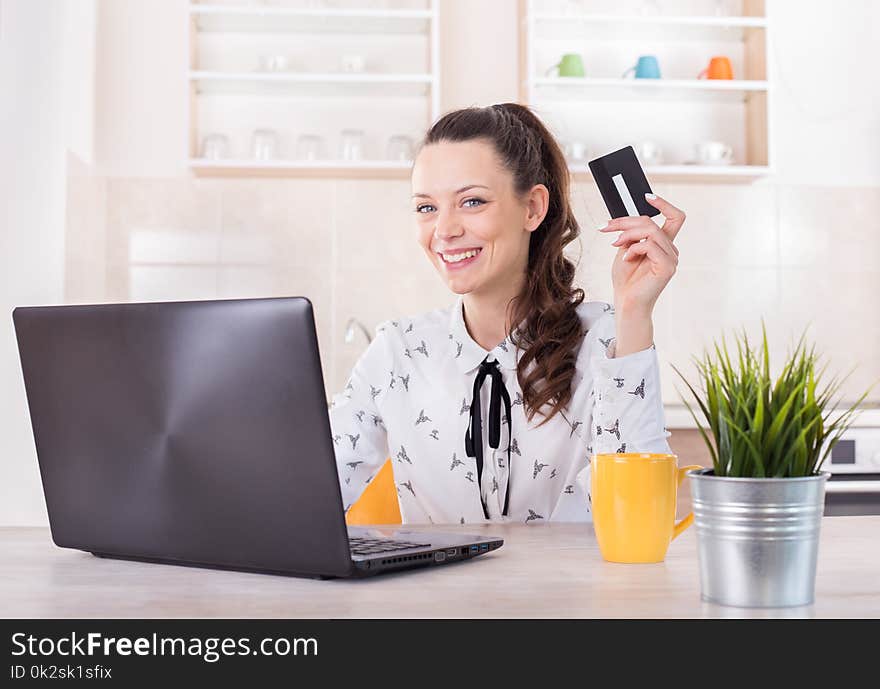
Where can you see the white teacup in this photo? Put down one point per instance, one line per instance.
(649, 153)
(576, 151)
(353, 63)
(714, 153)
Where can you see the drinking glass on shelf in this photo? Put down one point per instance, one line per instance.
(309, 146)
(273, 63)
(400, 147)
(351, 145)
(264, 144)
(215, 146)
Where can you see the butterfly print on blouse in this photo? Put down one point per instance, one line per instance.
(349, 387)
(501, 462)
(377, 420)
(553, 473)
(391, 383)
(402, 456)
(455, 462)
(605, 343)
(360, 415)
(470, 476)
(503, 344)
(374, 392)
(354, 464)
(607, 307)
(434, 434)
(408, 486)
(423, 348)
(518, 400)
(406, 353)
(458, 346)
(640, 390)
(622, 448)
(533, 515)
(494, 484)
(422, 418)
(348, 479)
(615, 429)
(598, 429)
(574, 427)
(514, 447)
(354, 439)
(465, 407)
(409, 328)
(504, 418)
(369, 479)
(337, 438)
(569, 489)
(405, 381)
(538, 467)
(619, 382)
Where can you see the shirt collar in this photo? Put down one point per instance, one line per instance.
(472, 353)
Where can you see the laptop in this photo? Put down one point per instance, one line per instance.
(197, 433)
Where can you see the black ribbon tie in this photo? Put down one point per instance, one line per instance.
(475, 427)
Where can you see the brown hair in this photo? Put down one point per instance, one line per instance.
(550, 329)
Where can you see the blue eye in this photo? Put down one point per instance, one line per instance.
(428, 205)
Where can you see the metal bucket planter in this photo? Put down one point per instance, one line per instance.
(757, 538)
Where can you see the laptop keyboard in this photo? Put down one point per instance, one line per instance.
(365, 546)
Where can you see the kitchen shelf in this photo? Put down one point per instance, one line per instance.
(605, 112)
(312, 85)
(609, 27)
(233, 167)
(314, 97)
(268, 19)
(702, 173)
(616, 89)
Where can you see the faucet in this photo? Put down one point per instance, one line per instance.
(349, 330)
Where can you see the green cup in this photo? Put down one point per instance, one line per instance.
(571, 65)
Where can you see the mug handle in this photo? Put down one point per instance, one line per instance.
(552, 68)
(703, 73)
(631, 69)
(689, 519)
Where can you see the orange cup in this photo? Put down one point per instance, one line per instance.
(719, 68)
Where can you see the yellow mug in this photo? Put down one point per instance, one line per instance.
(633, 497)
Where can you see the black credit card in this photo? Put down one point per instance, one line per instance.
(622, 183)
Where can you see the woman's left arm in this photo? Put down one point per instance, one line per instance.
(645, 262)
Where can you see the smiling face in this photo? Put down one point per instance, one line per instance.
(472, 227)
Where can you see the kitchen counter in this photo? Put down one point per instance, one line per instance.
(677, 416)
(542, 570)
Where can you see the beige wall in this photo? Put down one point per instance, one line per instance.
(794, 255)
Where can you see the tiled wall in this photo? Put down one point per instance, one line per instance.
(788, 253)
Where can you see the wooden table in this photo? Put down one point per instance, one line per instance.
(543, 570)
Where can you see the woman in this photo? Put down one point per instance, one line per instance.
(491, 198)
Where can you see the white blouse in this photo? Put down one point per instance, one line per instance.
(408, 397)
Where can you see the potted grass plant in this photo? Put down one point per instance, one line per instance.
(758, 509)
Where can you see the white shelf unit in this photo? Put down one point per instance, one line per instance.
(606, 111)
(398, 92)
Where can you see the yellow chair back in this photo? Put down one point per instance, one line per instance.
(378, 503)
